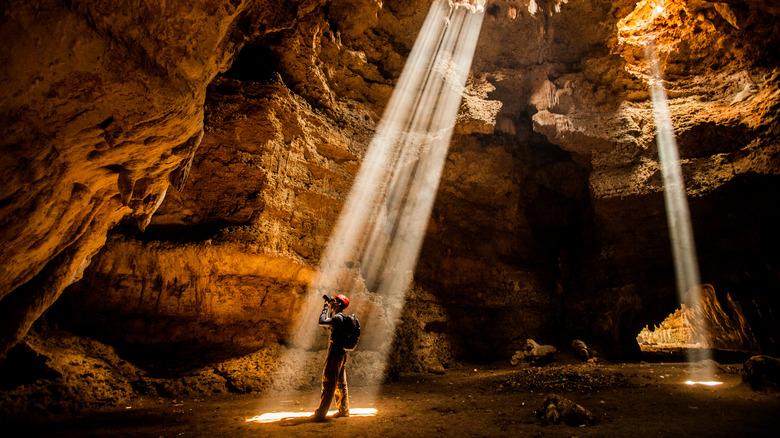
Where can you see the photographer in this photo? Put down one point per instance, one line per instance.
(334, 376)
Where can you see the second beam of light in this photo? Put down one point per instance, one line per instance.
(686, 265)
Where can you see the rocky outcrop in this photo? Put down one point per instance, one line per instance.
(761, 372)
(102, 109)
(713, 323)
(203, 293)
(68, 374)
(109, 109)
(269, 179)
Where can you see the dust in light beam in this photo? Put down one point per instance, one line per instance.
(374, 247)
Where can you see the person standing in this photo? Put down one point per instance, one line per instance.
(334, 375)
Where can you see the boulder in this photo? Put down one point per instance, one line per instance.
(583, 351)
(534, 353)
(761, 370)
(557, 409)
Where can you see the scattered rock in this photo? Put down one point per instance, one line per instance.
(564, 378)
(583, 351)
(534, 353)
(557, 409)
(57, 372)
(517, 358)
(761, 370)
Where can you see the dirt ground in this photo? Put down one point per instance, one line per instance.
(641, 399)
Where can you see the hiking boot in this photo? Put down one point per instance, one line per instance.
(318, 418)
(340, 414)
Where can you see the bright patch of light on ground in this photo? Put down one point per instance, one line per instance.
(270, 417)
(707, 383)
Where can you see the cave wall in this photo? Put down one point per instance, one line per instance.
(275, 165)
(102, 110)
(549, 221)
(722, 86)
(265, 187)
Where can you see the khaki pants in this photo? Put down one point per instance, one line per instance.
(334, 380)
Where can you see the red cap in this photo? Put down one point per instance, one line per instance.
(343, 298)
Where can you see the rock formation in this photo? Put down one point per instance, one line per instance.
(584, 353)
(102, 109)
(535, 353)
(761, 371)
(711, 324)
(557, 410)
(549, 219)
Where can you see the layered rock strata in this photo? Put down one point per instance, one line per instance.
(102, 109)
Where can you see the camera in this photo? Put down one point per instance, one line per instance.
(328, 299)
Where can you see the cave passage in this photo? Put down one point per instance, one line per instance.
(374, 247)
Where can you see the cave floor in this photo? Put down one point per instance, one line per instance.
(637, 399)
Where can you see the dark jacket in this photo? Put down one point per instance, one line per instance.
(335, 323)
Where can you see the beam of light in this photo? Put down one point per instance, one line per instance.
(272, 417)
(651, 19)
(532, 7)
(706, 383)
(373, 249)
(471, 5)
(686, 265)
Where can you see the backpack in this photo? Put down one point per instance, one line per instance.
(349, 332)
